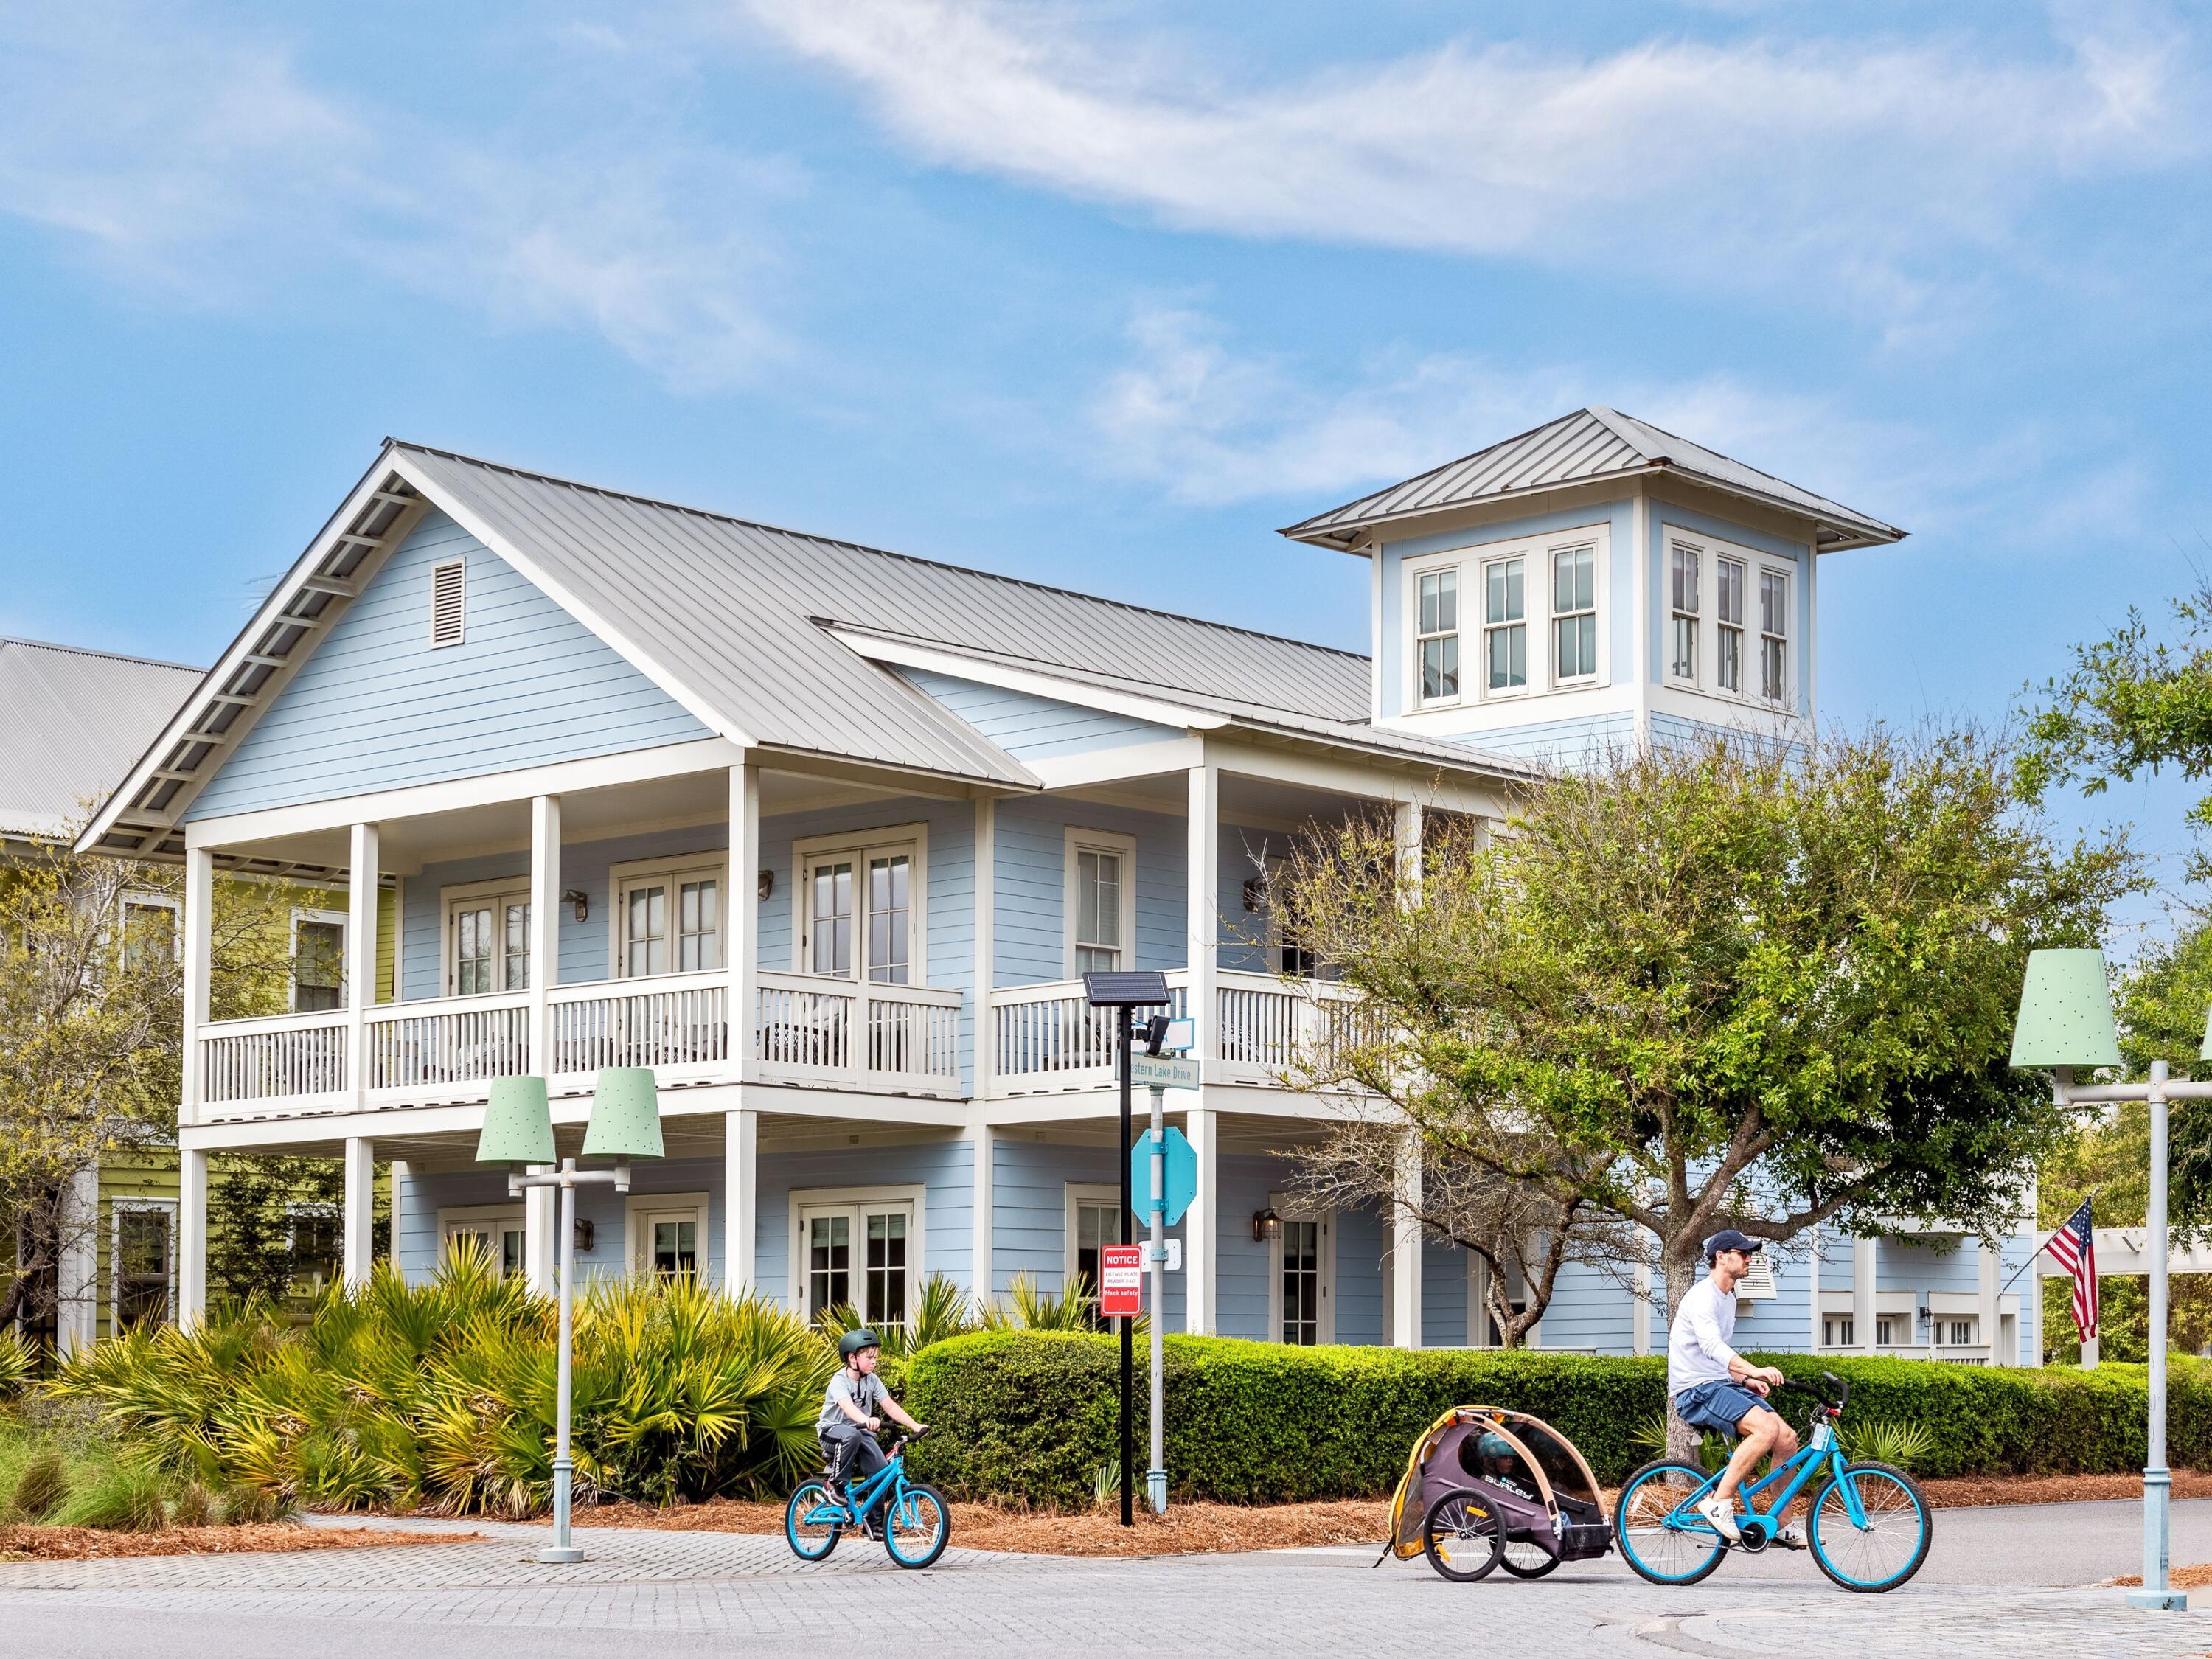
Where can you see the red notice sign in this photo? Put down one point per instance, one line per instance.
(1122, 1281)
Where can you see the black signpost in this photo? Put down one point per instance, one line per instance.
(1125, 993)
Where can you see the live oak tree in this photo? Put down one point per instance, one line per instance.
(1727, 985)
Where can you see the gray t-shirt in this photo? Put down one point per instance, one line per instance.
(869, 1396)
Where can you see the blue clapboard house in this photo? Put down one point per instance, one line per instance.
(826, 836)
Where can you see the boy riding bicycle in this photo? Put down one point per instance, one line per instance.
(852, 1408)
(1715, 1387)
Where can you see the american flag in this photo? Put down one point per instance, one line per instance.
(2074, 1245)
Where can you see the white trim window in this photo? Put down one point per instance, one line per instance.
(317, 1239)
(861, 1247)
(667, 1235)
(667, 918)
(142, 1261)
(1101, 882)
(1505, 626)
(500, 1230)
(318, 960)
(1727, 609)
(1090, 1220)
(150, 930)
(1773, 635)
(1301, 1275)
(1574, 614)
(1682, 660)
(1437, 634)
(487, 938)
(860, 906)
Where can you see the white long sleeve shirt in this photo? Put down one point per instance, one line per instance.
(1697, 1349)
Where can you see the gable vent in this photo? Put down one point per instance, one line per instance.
(449, 590)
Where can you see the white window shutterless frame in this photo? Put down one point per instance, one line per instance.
(1747, 632)
(487, 939)
(668, 918)
(1100, 877)
(1436, 636)
(862, 1248)
(1090, 1220)
(318, 960)
(668, 1234)
(498, 1230)
(1301, 1275)
(1532, 610)
(860, 910)
(1574, 614)
(1684, 562)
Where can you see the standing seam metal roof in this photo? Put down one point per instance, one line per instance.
(77, 719)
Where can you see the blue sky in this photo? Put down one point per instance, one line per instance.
(1101, 295)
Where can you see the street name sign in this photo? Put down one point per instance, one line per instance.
(1163, 1071)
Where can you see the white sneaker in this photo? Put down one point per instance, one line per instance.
(1791, 1537)
(1720, 1515)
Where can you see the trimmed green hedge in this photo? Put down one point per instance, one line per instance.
(1029, 1416)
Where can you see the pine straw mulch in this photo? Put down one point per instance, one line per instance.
(1185, 1529)
(21, 1543)
(1977, 1491)
(2183, 1579)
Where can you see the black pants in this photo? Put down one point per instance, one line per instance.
(854, 1455)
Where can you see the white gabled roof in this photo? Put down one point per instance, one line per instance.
(75, 721)
(740, 622)
(1584, 447)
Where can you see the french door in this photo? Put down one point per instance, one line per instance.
(859, 1254)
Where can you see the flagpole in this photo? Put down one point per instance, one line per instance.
(2038, 1251)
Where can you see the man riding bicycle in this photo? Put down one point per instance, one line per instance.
(1713, 1387)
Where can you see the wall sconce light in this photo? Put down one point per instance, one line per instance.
(766, 883)
(1927, 1317)
(584, 1235)
(579, 901)
(1266, 1224)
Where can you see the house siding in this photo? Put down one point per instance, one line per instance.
(1031, 727)
(376, 707)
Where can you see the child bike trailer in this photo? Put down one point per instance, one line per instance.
(1486, 1487)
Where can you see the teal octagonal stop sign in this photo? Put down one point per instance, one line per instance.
(1182, 1173)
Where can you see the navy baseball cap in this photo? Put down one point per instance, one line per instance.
(1728, 1239)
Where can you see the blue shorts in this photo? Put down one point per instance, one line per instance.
(1717, 1406)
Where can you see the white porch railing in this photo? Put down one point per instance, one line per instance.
(466, 1040)
(858, 1034)
(1046, 1039)
(299, 1057)
(1263, 1025)
(676, 1023)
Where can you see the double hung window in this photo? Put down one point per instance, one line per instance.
(1683, 664)
(1439, 636)
(488, 936)
(859, 912)
(150, 931)
(668, 919)
(1574, 614)
(1728, 607)
(318, 960)
(1773, 635)
(1505, 625)
(143, 1262)
(1102, 902)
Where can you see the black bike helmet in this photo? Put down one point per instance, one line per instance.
(855, 1340)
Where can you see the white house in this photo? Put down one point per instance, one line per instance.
(641, 775)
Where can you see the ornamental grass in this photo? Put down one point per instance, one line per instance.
(440, 1396)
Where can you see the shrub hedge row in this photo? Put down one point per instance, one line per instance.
(1030, 1416)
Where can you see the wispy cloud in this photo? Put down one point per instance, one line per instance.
(210, 168)
(1211, 424)
(1839, 168)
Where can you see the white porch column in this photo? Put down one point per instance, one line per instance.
(1201, 1225)
(398, 1168)
(77, 1269)
(192, 1236)
(1203, 861)
(983, 1213)
(1405, 824)
(740, 1198)
(541, 1247)
(358, 1225)
(1813, 1294)
(1992, 1264)
(360, 961)
(544, 930)
(983, 1045)
(199, 967)
(1863, 1282)
(741, 917)
(1640, 1320)
(1404, 1288)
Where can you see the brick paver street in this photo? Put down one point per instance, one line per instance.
(684, 1593)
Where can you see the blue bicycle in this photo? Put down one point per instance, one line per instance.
(1868, 1527)
(915, 1520)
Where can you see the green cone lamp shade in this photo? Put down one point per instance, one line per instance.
(2065, 1013)
(517, 1124)
(625, 1114)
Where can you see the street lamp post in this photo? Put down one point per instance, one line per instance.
(2065, 1022)
(518, 1129)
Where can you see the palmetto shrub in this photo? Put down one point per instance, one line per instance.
(441, 1396)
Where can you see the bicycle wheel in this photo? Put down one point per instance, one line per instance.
(1661, 1537)
(1462, 1537)
(807, 1526)
(917, 1526)
(1526, 1560)
(1889, 1548)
